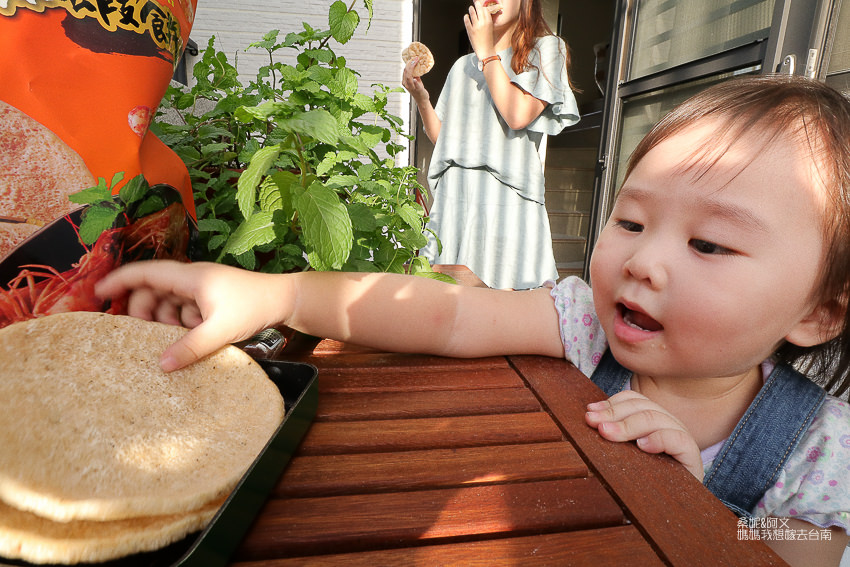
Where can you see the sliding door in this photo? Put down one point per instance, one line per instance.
(667, 50)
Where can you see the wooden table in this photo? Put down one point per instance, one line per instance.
(423, 460)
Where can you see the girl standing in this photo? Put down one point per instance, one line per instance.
(724, 266)
(489, 128)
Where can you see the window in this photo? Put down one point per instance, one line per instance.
(667, 50)
(670, 33)
(641, 112)
(838, 72)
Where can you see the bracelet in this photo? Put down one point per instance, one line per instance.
(487, 60)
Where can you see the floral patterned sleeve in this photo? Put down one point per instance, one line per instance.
(583, 338)
(813, 485)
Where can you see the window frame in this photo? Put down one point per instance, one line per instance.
(798, 39)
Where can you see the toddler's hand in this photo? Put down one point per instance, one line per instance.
(630, 416)
(221, 304)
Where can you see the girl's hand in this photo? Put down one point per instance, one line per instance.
(221, 304)
(414, 84)
(431, 123)
(479, 28)
(629, 416)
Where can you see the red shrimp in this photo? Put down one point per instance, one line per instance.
(42, 290)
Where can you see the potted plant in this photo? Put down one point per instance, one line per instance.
(297, 170)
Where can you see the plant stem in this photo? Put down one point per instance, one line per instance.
(271, 68)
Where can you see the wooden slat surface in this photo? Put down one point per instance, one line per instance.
(440, 468)
(354, 380)
(682, 518)
(328, 438)
(298, 526)
(622, 545)
(401, 405)
(422, 460)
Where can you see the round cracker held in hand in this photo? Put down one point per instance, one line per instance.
(420, 50)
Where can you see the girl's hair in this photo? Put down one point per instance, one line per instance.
(530, 26)
(810, 111)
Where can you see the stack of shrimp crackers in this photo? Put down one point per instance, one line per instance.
(104, 455)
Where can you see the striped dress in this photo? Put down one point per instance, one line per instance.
(487, 179)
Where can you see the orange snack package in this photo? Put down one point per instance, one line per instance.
(79, 83)
(92, 73)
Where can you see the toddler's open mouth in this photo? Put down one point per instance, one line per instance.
(638, 320)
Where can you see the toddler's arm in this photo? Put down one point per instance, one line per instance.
(386, 311)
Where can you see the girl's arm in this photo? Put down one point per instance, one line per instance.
(430, 122)
(517, 107)
(386, 311)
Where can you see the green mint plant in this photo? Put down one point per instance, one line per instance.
(134, 199)
(296, 170)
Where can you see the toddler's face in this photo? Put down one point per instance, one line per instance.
(704, 273)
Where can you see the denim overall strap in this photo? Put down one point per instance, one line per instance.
(756, 451)
(609, 375)
(751, 458)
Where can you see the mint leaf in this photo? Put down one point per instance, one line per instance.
(150, 205)
(116, 179)
(246, 192)
(134, 190)
(409, 215)
(326, 225)
(371, 12)
(436, 276)
(362, 217)
(247, 260)
(96, 194)
(213, 225)
(257, 230)
(342, 22)
(95, 220)
(319, 124)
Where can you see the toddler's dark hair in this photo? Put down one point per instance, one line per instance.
(782, 105)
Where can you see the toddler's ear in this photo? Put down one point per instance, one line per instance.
(824, 323)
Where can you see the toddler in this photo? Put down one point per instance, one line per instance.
(726, 260)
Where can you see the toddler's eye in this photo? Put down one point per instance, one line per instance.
(630, 226)
(705, 247)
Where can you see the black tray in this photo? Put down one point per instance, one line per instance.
(298, 384)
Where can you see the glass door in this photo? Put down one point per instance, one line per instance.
(837, 73)
(667, 50)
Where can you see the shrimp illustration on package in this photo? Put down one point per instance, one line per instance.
(80, 81)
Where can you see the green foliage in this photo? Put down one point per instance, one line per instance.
(296, 170)
(135, 199)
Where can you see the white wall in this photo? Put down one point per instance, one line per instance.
(375, 54)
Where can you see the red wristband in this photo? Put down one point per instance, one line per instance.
(488, 59)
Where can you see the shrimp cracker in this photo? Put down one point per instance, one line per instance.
(94, 431)
(420, 50)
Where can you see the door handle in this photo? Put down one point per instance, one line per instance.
(789, 64)
(812, 64)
